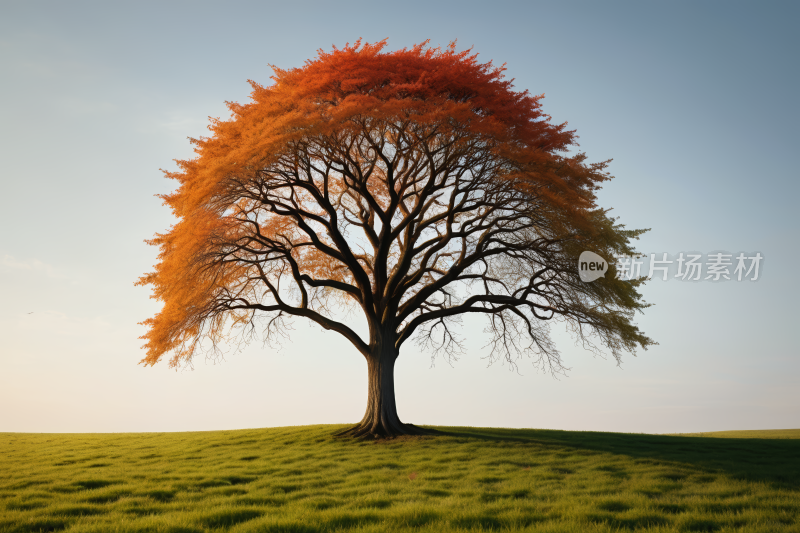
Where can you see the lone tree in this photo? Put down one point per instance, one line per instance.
(411, 187)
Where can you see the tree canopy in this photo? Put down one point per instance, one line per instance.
(411, 187)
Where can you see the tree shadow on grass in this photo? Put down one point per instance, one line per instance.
(774, 461)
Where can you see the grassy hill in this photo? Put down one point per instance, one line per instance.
(302, 480)
(749, 434)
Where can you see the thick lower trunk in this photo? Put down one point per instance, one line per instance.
(380, 419)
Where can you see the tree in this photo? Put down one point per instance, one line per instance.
(411, 187)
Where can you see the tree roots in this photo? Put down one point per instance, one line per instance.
(378, 431)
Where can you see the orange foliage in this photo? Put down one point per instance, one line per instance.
(334, 97)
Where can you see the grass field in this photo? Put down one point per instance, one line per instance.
(469, 479)
(749, 434)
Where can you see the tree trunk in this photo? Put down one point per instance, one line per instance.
(380, 419)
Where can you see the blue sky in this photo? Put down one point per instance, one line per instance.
(695, 102)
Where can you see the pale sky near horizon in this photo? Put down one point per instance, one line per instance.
(695, 102)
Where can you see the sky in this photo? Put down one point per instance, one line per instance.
(695, 102)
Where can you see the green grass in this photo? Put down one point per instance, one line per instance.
(302, 480)
(749, 434)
